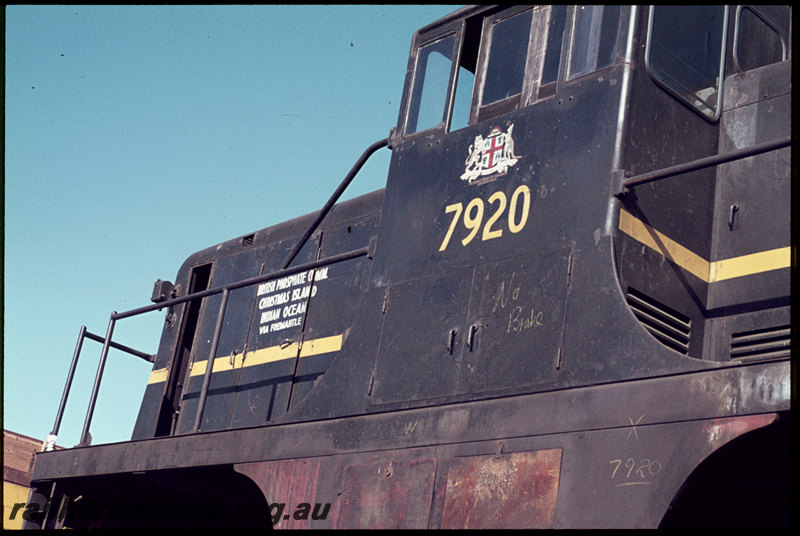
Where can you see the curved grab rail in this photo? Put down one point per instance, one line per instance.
(335, 197)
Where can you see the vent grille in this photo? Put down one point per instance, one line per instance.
(670, 327)
(760, 344)
(248, 240)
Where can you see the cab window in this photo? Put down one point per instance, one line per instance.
(514, 58)
(758, 41)
(502, 59)
(431, 81)
(508, 50)
(594, 39)
(552, 54)
(685, 53)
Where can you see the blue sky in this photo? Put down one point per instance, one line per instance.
(137, 135)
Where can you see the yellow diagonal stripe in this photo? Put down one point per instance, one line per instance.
(263, 356)
(710, 272)
(685, 258)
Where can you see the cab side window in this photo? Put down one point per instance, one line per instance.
(508, 50)
(502, 59)
(514, 56)
(685, 53)
(552, 54)
(427, 106)
(594, 39)
(758, 41)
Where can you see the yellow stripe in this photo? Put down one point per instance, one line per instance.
(321, 346)
(158, 376)
(754, 263)
(686, 259)
(706, 271)
(220, 364)
(260, 357)
(270, 355)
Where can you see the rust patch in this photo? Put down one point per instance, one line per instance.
(518, 490)
(288, 481)
(390, 494)
(720, 431)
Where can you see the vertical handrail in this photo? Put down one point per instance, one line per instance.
(108, 343)
(51, 439)
(210, 363)
(97, 378)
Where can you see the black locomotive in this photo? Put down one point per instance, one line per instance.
(569, 306)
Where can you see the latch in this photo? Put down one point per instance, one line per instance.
(451, 340)
(733, 210)
(471, 336)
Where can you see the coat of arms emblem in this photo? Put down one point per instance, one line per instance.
(490, 155)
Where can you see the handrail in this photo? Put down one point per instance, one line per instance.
(150, 358)
(244, 283)
(96, 387)
(336, 194)
(49, 444)
(210, 363)
(225, 290)
(702, 163)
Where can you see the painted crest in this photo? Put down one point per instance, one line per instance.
(490, 155)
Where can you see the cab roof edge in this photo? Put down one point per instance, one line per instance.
(457, 14)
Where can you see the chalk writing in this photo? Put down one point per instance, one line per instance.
(633, 428)
(520, 317)
(519, 323)
(410, 426)
(504, 293)
(631, 472)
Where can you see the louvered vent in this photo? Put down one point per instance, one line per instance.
(248, 240)
(759, 344)
(670, 327)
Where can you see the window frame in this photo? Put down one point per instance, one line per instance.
(537, 41)
(456, 29)
(737, 29)
(549, 89)
(676, 94)
(413, 87)
(532, 90)
(571, 46)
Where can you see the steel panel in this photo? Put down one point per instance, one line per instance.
(414, 361)
(514, 491)
(390, 494)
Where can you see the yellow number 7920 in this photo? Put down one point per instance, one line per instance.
(473, 216)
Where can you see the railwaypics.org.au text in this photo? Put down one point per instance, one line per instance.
(151, 514)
